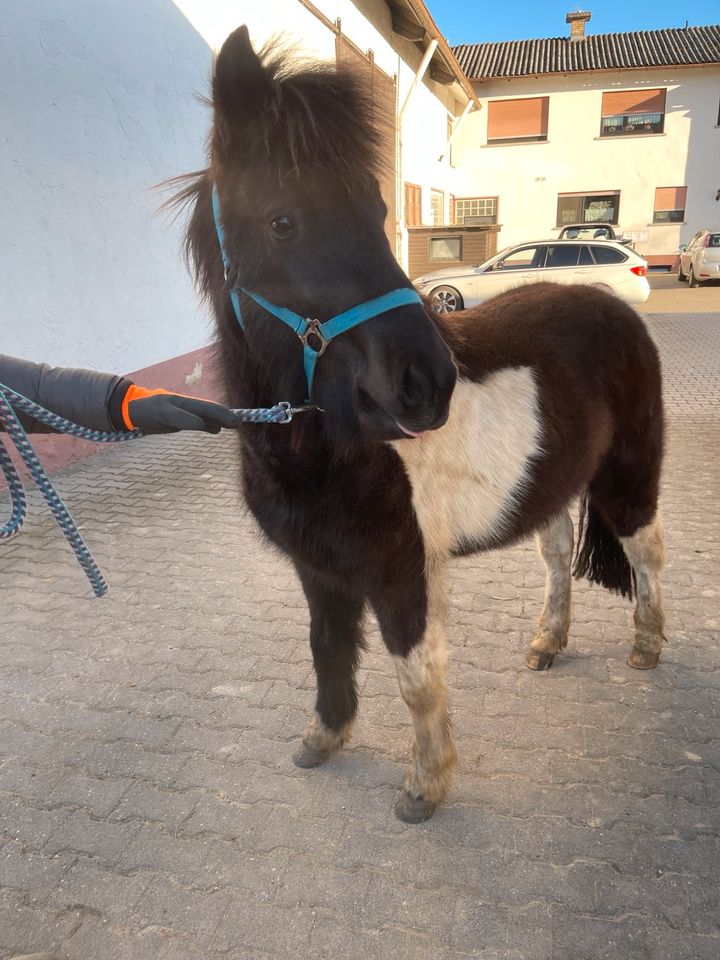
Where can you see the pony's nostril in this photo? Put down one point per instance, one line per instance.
(414, 386)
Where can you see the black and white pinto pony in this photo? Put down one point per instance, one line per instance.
(437, 436)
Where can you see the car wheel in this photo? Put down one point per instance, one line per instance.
(680, 275)
(446, 299)
(692, 279)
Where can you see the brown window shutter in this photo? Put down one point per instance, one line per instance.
(413, 205)
(509, 119)
(633, 101)
(670, 198)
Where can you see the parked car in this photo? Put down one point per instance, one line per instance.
(605, 264)
(590, 231)
(700, 259)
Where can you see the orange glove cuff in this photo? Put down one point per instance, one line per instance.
(136, 393)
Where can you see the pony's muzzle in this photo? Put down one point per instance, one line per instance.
(425, 392)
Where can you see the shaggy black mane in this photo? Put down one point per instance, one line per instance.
(307, 114)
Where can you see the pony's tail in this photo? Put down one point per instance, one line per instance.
(600, 557)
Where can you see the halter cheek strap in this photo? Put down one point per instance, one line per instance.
(314, 335)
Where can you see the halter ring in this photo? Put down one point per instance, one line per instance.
(313, 330)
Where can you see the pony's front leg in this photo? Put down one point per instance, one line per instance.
(336, 641)
(419, 649)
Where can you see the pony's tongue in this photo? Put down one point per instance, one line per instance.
(408, 433)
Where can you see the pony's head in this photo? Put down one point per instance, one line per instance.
(294, 162)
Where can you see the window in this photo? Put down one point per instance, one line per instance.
(605, 255)
(413, 205)
(669, 204)
(437, 207)
(586, 258)
(475, 211)
(629, 112)
(588, 207)
(511, 121)
(445, 248)
(562, 255)
(527, 258)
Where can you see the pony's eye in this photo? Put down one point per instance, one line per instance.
(282, 226)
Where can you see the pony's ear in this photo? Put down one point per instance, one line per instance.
(240, 82)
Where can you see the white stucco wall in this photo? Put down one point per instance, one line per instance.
(528, 177)
(97, 104)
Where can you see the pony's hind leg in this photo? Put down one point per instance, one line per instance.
(555, 544)
(336, 642)
(645, 550)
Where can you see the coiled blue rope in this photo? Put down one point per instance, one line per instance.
(10, 401)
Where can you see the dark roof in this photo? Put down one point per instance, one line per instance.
(602, 51)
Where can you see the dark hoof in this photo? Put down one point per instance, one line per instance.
(643, 661)
(308, 757)
(412, 810)
(538, 660)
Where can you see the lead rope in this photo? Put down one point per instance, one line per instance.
(10, 401)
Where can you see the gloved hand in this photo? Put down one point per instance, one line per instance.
(160, 411)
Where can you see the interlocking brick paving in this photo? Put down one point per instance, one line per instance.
(149, 808)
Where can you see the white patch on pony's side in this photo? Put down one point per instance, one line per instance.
(467, 476)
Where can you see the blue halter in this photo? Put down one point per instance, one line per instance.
(303, 327)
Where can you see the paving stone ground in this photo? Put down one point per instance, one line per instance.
(149, 808)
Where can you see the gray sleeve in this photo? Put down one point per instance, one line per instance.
(82, 396)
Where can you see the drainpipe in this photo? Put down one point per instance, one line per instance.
(456, 126)
(420, 73)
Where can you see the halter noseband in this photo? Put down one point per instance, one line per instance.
(304, 328)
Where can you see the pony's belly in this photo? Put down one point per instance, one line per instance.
(468, 478)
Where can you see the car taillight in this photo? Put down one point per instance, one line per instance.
(639, 271)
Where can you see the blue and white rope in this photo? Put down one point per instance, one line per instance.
(10, 401)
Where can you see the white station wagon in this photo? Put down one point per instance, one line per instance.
(605, 264)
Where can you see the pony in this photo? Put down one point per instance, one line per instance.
(427, 437)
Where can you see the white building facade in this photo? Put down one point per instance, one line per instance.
(637, 146)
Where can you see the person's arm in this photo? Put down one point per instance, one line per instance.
(83, 396)
(107, 402)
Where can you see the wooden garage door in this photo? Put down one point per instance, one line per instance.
(384, 93)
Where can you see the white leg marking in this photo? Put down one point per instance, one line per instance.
(555, 543)
(646, 552)
(421, 676)
(318, 736)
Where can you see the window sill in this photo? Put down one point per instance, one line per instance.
(515, 143)
(673, 223)
(631, 136)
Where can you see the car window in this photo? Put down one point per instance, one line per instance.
(588, 233)
(562, 255)
(605, 255)
(527, 258)
(714, 240)
(586, 258)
